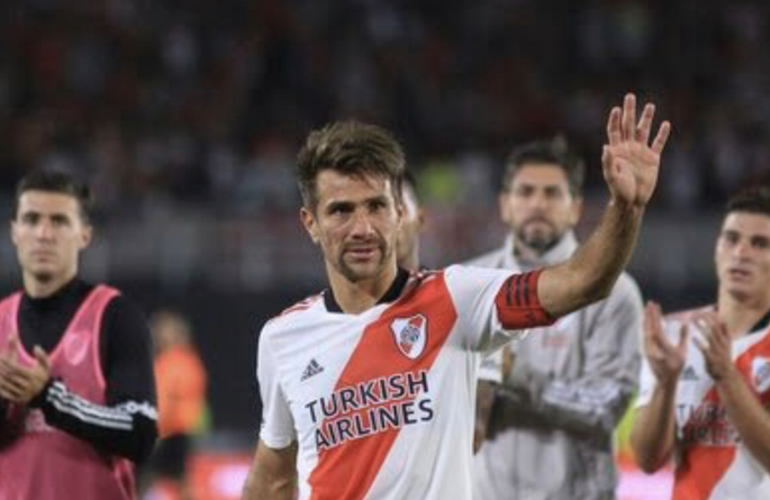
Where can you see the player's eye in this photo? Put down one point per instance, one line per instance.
(760, 242)
(60, 220)
(730, 237)
(524, 191)
(30, 218)
(340, 209)
(377, 205)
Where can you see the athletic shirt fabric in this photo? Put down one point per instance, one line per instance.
(382, 403)
(36, 460)
(711, 462)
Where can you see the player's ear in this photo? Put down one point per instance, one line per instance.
(86, 235)
(502, 204)
(308, 220)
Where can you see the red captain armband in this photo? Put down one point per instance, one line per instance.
(517, 304)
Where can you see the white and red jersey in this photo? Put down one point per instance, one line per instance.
(382, 402)
(712, 463)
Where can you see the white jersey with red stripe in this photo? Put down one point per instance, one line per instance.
(382, 403)
(711, 462)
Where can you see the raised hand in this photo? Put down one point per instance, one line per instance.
(665, 359)
(717, 350)
(629, 163)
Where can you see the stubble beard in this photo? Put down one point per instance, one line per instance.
(353, 275)
(539, 242)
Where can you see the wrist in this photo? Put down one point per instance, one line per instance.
(668, 383)
(39, 399)
(730, 377)
(626, 207)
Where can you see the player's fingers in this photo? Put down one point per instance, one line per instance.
(645, 123)
(703, 346)
(653, 320)
(628, 123)
(12, 385)
(684, 335)
(7, 393)
(613, 127)
(42, 358)
(660, 140)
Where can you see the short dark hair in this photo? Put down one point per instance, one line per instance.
(555, 151)
(753, 199)
(350, 148)
(55, 181)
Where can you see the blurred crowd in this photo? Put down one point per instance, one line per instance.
(205, 103)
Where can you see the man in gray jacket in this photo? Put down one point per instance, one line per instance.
(550, 422)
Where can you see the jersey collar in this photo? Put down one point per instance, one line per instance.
(762, 323)
(394, 292)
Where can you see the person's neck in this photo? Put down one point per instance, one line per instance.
(741, 314)
(38, 289)
(526, 253)
(355, 297)
(411, 262)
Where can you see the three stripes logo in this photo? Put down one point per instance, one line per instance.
(689, 373)
(312, 369)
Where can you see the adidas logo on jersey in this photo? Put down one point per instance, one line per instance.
(689, 373)
(312, 368)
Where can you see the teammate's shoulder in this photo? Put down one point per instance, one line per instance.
(120, 304)
(491, 258)
(291, 312)
(626, 284)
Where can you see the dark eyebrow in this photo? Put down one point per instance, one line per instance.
(60, 217)
(29, 213)
(378, 199)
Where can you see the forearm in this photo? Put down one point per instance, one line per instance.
(749, 417)
(580, 406)
(127, 429)
(260, 486)
(272, 475)
(591, 272)
(485, 398)
(654, 429)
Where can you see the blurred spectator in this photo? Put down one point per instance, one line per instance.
(171, 80)
(181, 383)
(198, 107)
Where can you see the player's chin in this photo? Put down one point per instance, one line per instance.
(361, 269)
(43, 274)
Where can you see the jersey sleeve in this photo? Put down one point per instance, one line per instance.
(277, 428)
(495, 305)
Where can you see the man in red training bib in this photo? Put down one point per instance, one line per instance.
(77, 399)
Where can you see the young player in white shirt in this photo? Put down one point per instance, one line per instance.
(705, 384)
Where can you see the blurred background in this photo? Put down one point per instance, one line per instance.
(186, 116)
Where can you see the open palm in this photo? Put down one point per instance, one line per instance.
(629, 163)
